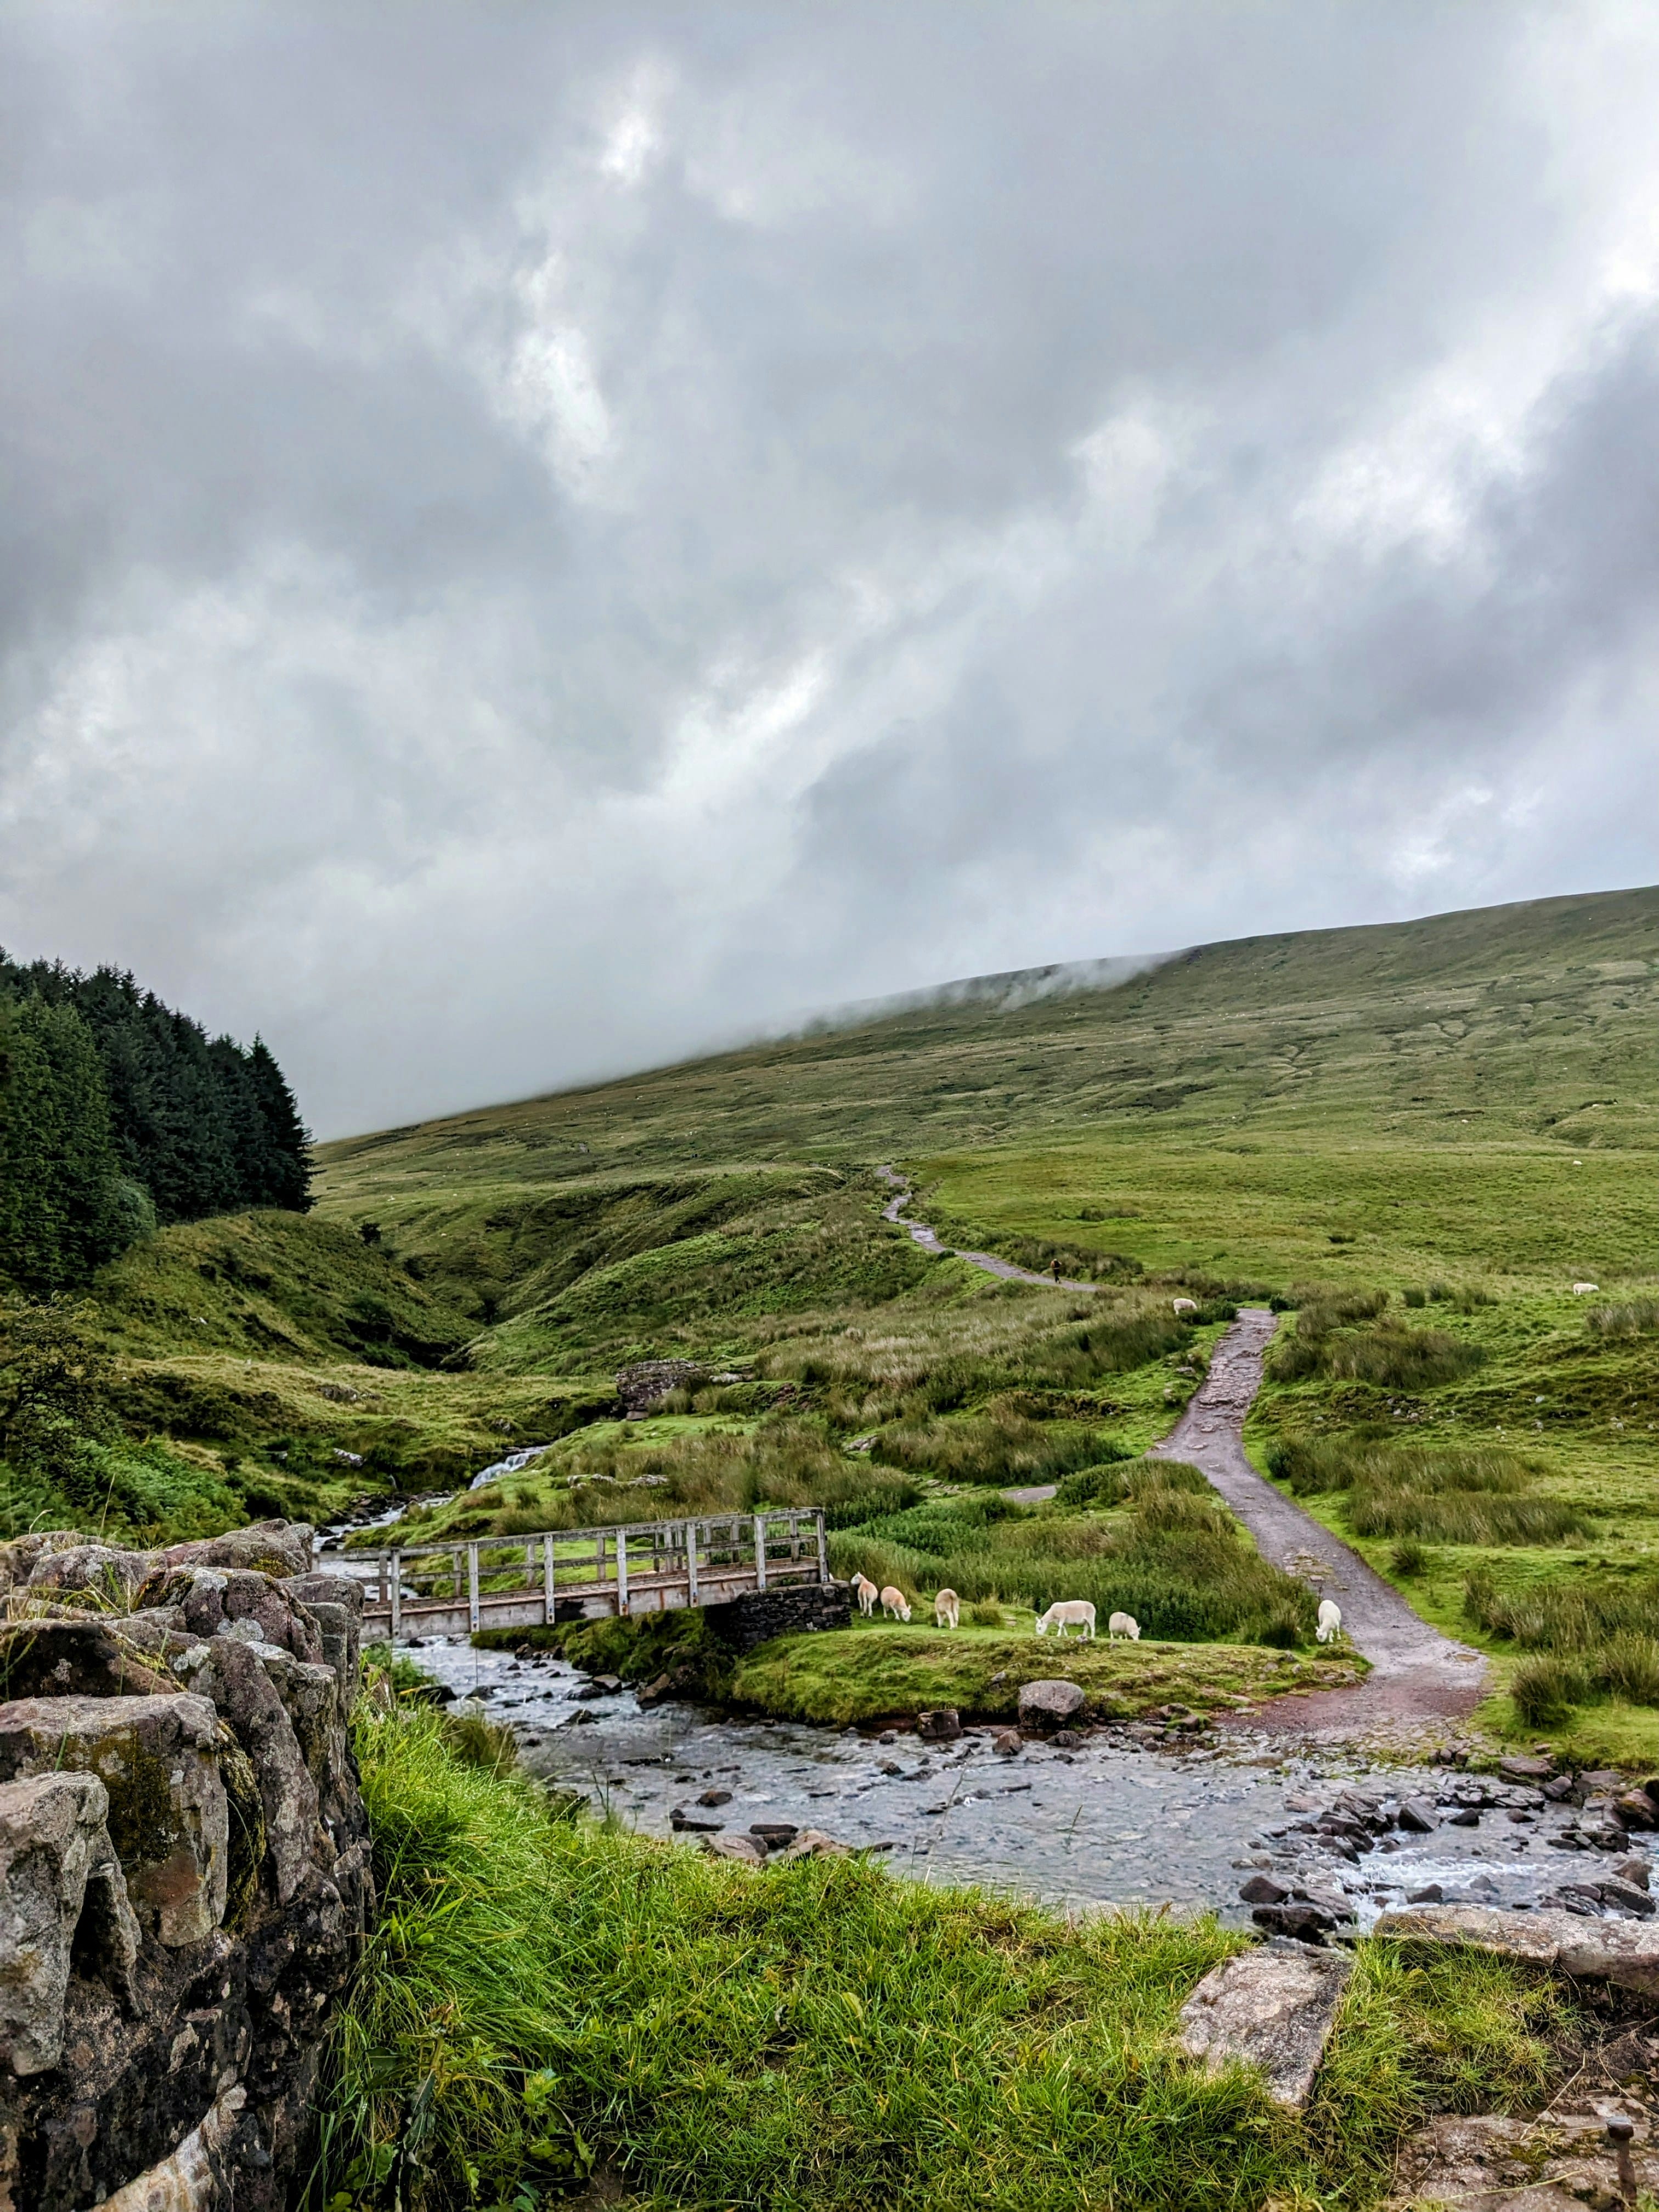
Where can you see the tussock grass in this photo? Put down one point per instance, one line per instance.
(541, 1997)
(1593, 1637)
(1630, 1317)
(1176, 1560)
(1447, 1494)
(1002, 1448)
(1388, 1354)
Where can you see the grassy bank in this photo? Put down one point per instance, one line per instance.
(886, 1671)
(542, 2001)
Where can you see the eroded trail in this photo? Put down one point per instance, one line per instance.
(1417, 1675)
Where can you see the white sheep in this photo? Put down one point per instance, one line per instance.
(1067, 1612)
(1123, 1624)
(895, 1604)
(865, 1591)
(1330, 1620)
(947, 1609)
(1185, 1305)
(1585, 1289)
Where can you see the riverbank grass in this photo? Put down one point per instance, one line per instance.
(542, 2001)
(852, 1676)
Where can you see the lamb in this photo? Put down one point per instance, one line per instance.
(895, 1604)
(1585, 1289)
(1123, 1624)
(1067, 1612)
(1330, 1621)
(865, 1591)
(947, 1609)
(1184, 1305)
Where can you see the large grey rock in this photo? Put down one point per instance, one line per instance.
(236, 1601)
(740, 1849)
(56, 1867)
(1049, 1704)
(73, 1658)
(336, 1603)
(1273, 2007)
(234, 1675)
(268, 1547)
(100, 1574)
(169, 1818)
(217, 1745)
(1623, 1952)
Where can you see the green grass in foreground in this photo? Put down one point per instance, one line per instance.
(541, 1997)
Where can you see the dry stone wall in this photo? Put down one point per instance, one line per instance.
(185, 1876)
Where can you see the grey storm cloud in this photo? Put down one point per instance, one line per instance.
(536, 540)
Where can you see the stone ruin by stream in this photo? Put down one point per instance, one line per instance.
(185, 1874)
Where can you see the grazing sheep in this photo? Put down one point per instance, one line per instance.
(947, 1610)
(865, 1591)
(1585, 1289)
(1185, 1305)
(1067, 1612)
(1330, 1621)
(895, 1604)
(1123, 1624)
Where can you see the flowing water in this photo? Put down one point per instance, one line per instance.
(1110, 1823)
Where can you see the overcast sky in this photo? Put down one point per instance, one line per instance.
(538, 538)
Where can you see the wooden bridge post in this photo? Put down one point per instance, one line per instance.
(397, 1591)
(824, 1555)
(690, 1562)
(472, 1586)
(621, 1572)
(547, 1581)
(759, 1551)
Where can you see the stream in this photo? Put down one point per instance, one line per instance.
(1110, 1823)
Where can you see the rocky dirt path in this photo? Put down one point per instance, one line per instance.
(922, 1234)
(1417, 1674)
(1418, 1677)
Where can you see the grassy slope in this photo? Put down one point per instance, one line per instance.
(1462, 1098)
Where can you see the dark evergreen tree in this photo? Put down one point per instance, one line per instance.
(287, 1141)
(61, 1211)
(195, 1127)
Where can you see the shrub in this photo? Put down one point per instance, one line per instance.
(1464, 1516)
(1397, 1359)
(1545, 1690)
(985, 1613)
(1126, 1479)
(1408, 1558)
(1630, 1317)
(1630, 1668)
(1415, 1298)
(1004, 1448)
(1568, 1615)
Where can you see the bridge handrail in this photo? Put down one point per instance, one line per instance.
(367, 1554)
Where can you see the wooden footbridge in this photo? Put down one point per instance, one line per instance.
(581, 1574)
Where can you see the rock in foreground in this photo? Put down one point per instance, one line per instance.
(183, 1865)
(1274, 2008)
(1622, 1952)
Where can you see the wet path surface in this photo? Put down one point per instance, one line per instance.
(1417, 1674)
(1418, 1677)
(1110, 1822)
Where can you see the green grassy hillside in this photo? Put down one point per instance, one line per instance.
(1454, 1119)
